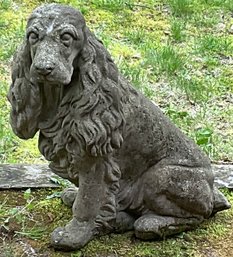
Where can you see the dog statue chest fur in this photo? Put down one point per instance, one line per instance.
(135, 170)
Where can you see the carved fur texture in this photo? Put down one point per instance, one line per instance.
(134, 168)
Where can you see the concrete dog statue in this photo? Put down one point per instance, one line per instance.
(135, 170)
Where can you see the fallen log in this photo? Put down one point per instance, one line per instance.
(19, 176)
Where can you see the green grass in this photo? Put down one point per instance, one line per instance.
(227, 4)
(112, 5)
(211, 44)
(165, 59)
(181, 8)
(5, 4)
(177, 30)
(135, 36)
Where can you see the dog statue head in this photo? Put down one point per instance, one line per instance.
(61, 73)
(55, 37)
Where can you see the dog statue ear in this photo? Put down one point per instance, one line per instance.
(100, 130)
(23, 96)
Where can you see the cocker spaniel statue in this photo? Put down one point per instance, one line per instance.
(135, 169)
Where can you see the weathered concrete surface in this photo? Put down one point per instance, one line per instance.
(39, 175)
(26, 176)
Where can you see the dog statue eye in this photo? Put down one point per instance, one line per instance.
(33, 37)
(66, 39)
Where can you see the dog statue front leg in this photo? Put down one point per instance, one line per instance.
(94, 209)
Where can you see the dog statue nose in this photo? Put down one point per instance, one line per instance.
(44, 69)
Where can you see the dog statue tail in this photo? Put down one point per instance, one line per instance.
(220, 202)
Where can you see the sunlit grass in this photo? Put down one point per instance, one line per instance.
(181, 8)
(177, 30)
(165, 59)
(214, 44)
